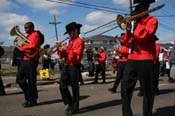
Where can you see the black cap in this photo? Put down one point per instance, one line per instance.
(46, 46)
(72, 26)
(143, 1)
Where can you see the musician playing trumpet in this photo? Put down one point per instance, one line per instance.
(70, 75)
(140, 60)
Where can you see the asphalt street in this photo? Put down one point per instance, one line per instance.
(95, 100)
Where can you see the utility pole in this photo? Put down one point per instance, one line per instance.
(55, 23)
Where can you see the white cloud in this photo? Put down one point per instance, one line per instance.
(86, 28)
(8, 20)
(121, 2)
(54, 12)
(100, 17)
(5, 5)
(42, 5)
(167, 38)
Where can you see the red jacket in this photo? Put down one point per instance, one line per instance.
(167, 57)
(32, 47)
(114, 62)
(143, 39)
(156, 59)
(124, 50)
(73, 52)
(102, 57)
(124, 54)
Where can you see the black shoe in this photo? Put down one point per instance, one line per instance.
(29, 104)
(2, 93)
(112, 90)
(95, 82)
(68, 110)
(171, 80)
(103, 82)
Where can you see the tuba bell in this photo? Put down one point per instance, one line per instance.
(20, 39)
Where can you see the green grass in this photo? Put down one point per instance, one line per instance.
(8, 73)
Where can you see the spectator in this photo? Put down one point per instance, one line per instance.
(52, 66)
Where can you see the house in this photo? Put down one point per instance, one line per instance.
(97, 41)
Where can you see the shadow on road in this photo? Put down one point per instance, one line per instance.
(165, 111)
(166, 91)
(100, 106)
(17, 93)
(49, 102)
(57, 101)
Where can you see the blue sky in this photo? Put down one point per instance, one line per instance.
(17, 12)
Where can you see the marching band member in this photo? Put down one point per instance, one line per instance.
(27, 73)
(70, 74)
(90, 59)
(101, 65)
(123, 51)
(140, 61)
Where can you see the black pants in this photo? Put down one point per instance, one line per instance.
(162, 68)
(91, 68)
(70, 76)
(26, 78)
(2, 90)
(120, 69)
(134, 70)
(100, 68)
(156, 77)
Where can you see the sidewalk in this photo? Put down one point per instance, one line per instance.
(11, 81)
(85, 76)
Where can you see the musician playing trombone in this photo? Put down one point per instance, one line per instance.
(140, 60)
(70, 74)
(123, 57)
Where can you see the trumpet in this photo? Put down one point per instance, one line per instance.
(46, 52)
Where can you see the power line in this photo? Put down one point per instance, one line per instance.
(83, 3)
(166, 27)
(164, 16)
(87, 6)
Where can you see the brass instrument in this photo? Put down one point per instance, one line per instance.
(21, 39)
(122, 22)
(46, 52)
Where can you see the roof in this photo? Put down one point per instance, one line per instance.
(99, 37)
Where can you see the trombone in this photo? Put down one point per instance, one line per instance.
(121, 20)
